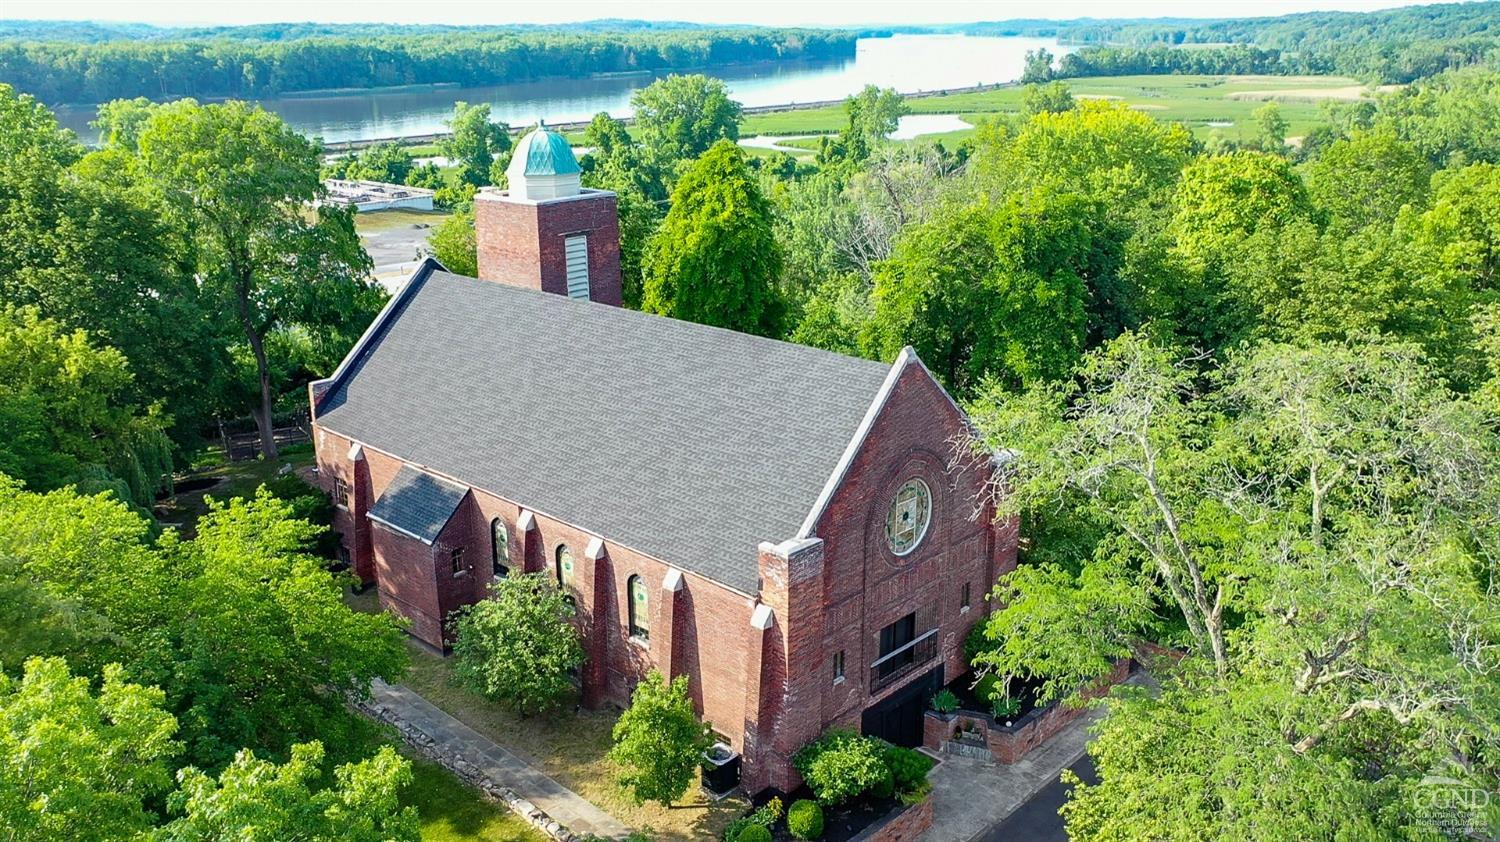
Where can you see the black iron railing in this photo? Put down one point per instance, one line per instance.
(901, 662)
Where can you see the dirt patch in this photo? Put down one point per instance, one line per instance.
(1348, 93)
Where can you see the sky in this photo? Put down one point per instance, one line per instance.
(765, 12)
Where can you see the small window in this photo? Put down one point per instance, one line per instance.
(564, 566)
(500, 552)
(576, 252)
(964, 601)
(838, 666)
(456, 561)
(340, 492)
(639, 608)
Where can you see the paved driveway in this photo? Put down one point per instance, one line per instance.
(1037, 820)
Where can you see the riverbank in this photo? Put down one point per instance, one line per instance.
(749, 111)
(1204, 104)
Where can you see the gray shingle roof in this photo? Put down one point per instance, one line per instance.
(691, 444)
(418, 503)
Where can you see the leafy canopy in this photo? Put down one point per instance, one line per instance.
(658, 741)
(519, 645)
(79, 765)
(715, 260)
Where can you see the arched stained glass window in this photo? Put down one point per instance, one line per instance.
(639, 608)
(500, 548)
(564, 566)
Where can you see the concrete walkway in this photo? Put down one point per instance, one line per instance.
(506, 769)
(970, 798)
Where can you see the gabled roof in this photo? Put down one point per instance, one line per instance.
(689, 443)
(418, 503)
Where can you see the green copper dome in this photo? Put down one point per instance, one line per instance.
(547, 153)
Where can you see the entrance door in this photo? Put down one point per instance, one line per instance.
(897, 719)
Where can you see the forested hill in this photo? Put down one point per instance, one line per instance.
(1286, 32)
(97, 66)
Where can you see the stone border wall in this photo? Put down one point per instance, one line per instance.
(1008, 744)
(467, 772)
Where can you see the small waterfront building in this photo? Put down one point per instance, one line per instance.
(369, 196)
(783, 525)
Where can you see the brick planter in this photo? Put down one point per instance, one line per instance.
(902, 824)
(1008, 743)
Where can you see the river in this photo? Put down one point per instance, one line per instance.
(908, 63)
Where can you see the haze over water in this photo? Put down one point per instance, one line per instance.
(908, 63)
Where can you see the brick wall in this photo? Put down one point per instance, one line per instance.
(904, 826)
(711, 622)
(866, 585)
(521, 243)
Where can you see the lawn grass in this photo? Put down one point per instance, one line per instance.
(235, 479)
(375, 222)
(451, 811)
(569, 745)
(1195, 101)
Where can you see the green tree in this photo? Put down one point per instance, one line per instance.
(1046, 99)
(454, 246)
(616, 163)
(246, 633)
(519, 645)
(1368, 178)
(388, 162)
(80, 766)
(658, 741)
(1125, 159)
(678, 118)
(89, 241)
(1314, 519)
(70, 416)
(989, 294)
(241, 177)
(1038, 66)
(120, 122)
(1270, 128)
(714, 259)
(872, 114)
(475, 142)
(257, 799)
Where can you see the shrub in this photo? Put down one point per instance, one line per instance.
(975, 641)
(840, 765)
(943, 701)
(912, 797)
(1005, 707)
(989, 688)
(908, 768)
(805, 820)
(765, 816)
(518, 645)
(755, 833)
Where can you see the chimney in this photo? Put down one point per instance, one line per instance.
(547, 232)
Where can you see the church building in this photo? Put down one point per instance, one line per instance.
(783, 525)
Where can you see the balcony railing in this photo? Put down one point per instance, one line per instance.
(899, 663)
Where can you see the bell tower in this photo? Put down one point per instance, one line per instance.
(547, 231)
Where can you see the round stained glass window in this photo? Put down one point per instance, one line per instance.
(906, 522)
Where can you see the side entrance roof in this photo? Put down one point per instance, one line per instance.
(418, 503)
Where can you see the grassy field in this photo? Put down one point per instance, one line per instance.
(569, 746)
(1199, 102)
